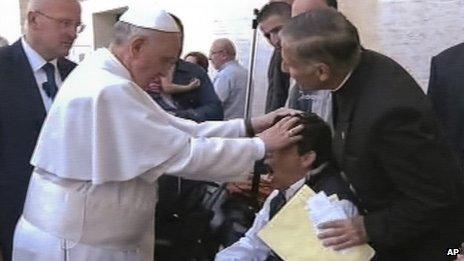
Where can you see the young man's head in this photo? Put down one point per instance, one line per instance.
(292, 163)
(271, 18)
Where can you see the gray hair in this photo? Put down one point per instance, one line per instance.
(3, 42)
(324, 35)
(123, 32)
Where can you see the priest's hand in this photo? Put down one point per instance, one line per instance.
(282, 134)
(263, 122)
(345, 233)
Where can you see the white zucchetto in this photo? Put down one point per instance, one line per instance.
(149, 16)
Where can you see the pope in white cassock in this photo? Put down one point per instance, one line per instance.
(105, 142)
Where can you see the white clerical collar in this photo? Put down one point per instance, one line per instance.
(343, 82)
(35, 59)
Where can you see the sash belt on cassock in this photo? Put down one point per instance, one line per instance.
(88, 217)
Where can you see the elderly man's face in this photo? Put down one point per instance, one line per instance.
(271, 28)
(217, 55)
(54, 27)
(152, 58)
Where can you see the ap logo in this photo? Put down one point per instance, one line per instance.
(455, 251)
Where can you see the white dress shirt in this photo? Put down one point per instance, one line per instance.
(230, 85)
(251, 247)
(320, 100)
(37, 62)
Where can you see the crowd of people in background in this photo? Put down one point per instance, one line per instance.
(368, 134)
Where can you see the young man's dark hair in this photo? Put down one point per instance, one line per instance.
(274, 8)
(317, 137)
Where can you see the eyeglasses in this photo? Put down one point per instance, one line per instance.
(65, 23)
(215, 52)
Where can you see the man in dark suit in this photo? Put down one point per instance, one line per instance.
(446, 90)
(271, 18)
(386, 141)
(31, 71)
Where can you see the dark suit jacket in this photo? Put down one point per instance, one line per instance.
(389, 145)
(21, 116)
(331, 182)
(279, 83)
(446, 90)
(200, 104)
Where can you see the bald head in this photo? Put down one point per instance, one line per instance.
(52, 5)
(302, 6)
(222, 51)
(52, 26)
(226, 45)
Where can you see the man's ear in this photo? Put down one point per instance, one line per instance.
(323, 72)
(136, 46)
(307, 160)
(32, 20)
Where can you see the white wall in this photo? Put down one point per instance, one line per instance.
(409, 31)
(10, 25)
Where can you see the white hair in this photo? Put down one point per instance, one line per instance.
(123, 32)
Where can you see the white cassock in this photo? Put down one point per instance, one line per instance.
(104, 143)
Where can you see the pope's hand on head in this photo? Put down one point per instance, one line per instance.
(282, 134)
(263, 122)
(342, 234)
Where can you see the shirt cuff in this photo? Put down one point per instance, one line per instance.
(261, 148)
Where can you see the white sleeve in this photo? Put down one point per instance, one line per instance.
(229, 129)
(215, 159)
(250, 247)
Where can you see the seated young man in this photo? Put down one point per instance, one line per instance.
(307, 162)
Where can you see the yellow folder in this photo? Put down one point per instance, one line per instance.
(292, 235)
